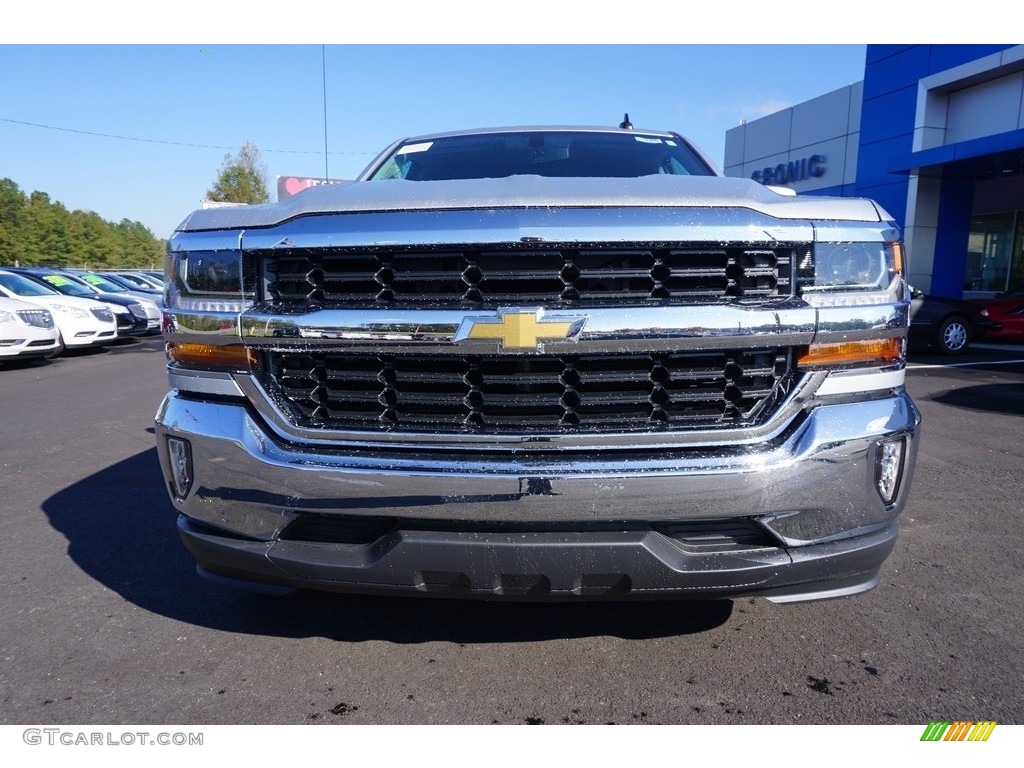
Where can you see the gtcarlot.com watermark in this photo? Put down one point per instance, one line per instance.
(71, 738)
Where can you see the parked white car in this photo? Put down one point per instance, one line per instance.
(27, 330)
(81, 322)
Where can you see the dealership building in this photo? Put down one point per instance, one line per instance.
(935, 134)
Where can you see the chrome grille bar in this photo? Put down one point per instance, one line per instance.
(527, 393)
(485, 276)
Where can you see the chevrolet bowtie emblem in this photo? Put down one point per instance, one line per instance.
(515, 329)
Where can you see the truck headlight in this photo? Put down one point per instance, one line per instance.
(217, 273)
(851, 273)
(210, 281)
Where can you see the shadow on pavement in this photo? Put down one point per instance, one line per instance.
(996, 398)
(121, 531)
(16, 364)
(151, 343)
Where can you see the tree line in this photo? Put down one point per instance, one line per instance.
(37, 231)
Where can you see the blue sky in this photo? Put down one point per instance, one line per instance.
(180, 108)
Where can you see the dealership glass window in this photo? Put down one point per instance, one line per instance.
(994, 258)
(1016, 281)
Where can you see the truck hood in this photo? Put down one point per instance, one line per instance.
(536, 192)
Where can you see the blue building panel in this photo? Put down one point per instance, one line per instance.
(896, 72)
(943, 57)
(836, 191)
(841, 190)
(892, 197)
(888, 116)
(911, 161)
(873, 160)
(955, 204)
(888, 112)
(962, 150)
(876, 53)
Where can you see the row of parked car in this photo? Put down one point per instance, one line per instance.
(45, 310)
(950, 325)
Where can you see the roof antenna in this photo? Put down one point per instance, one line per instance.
(625, 124)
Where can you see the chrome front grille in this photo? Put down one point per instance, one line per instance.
(102, 313)
(527, 274)
(38, 318)
(512, 393)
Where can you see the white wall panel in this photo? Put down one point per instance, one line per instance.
(850, 163)
(985, 109)
(768, 136)
(856, 101)
(734, 146)
(820, 119)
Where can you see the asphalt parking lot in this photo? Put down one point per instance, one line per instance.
(106, 622)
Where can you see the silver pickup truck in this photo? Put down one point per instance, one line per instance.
(540, 363)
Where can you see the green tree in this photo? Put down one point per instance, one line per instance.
(12, 213)
(93, 242)
(36, 231)
(242, 178)
(138, 246)
(47, 241)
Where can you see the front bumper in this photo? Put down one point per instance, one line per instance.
(545, 525)
(128, 326)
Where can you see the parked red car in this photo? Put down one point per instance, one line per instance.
(1006, 311)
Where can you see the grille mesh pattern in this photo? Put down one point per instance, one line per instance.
(38, 318)
(488, 276)
(526, 393)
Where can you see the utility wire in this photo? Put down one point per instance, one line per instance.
(171, 143)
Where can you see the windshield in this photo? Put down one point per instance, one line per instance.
(22, 286)
(68, 286)
(586, 154)
(103, 284)
(136, 280)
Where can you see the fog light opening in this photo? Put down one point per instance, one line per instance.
(889, 468)
(180, 453)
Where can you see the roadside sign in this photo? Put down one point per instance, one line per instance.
(289, 186)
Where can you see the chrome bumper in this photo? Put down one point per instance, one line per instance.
(813, 489)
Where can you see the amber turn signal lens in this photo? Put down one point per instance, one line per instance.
(211, 357)
(897, 256)
(853, 353)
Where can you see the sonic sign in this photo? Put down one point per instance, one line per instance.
(795, 170)
(289, 186)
